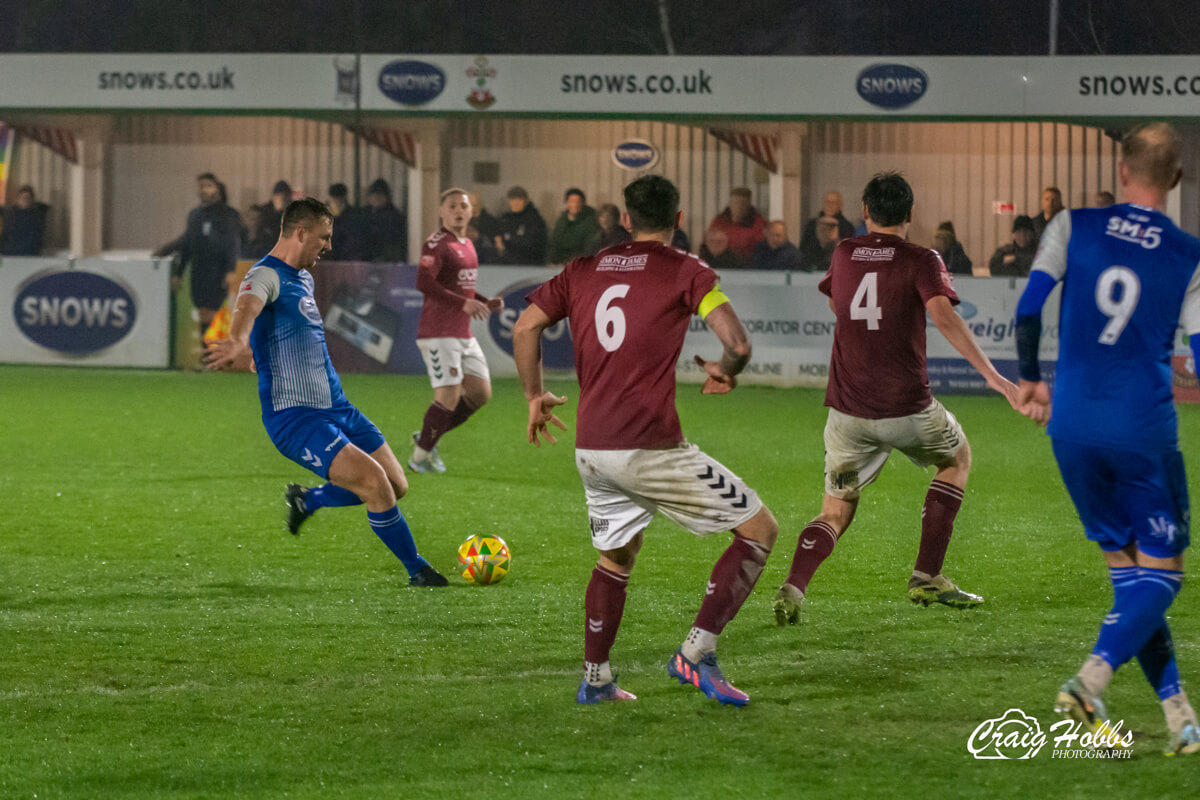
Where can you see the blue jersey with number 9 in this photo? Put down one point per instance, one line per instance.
(1130, 279)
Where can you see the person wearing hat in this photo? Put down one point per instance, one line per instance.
(946, 242)
(386, 227)
(522, 231)
(349, 238)
(1015, 258)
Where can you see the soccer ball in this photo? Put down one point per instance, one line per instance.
(484, 560)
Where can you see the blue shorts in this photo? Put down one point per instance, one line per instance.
(312, 437)
(1125, 497)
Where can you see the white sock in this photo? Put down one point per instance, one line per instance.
(697, 644)
(597, 674)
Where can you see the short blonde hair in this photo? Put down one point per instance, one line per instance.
(1151, 154)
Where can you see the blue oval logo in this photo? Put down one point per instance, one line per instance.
(635, 154)
(74, 312)
(891, 85)
(558, 352)
(411, 83)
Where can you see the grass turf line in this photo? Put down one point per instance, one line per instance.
(162, 635)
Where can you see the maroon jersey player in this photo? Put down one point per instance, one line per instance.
(880, 287)
(629, 307)
(457, 369)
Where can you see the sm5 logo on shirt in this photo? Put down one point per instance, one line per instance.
(1128, 230)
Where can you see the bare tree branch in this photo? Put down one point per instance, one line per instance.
(664, 21)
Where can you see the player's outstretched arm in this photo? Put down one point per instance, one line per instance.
(960, 338)
(527, 353)
(724, 322)
(1033, 395)
(234, 353)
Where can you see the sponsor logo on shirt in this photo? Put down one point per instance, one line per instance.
(308, 307)
(1133, 230)
(426, 260)
(873, 254)
(622, 263)
(891, 86)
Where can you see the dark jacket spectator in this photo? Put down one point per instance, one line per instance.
(611, 233)
(680, 239)
(256, 240)
(209, 246)
(814, 252)
(1015, 258)
(1052, 203)
(744, 227)
(716, 252)
(522, 234)
(272, 214)
(575, 230)
(827, 234)
(349, 231)
(386, 227)
(946, 242)
(776, 252)
(24, 225)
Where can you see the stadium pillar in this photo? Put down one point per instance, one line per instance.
(789, 180)
(425, 183)
(87, 191)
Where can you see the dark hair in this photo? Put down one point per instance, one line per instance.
(380, 186)
(303, 212)
(653, 203)
(573, 190)
(517, 193)
(207, 176)
(339, 190)
(888, 198)
(740, 191)
(1022, 223)
(221, 193)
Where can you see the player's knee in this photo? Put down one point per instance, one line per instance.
(762, 529)
(377, 486)
(400, 487)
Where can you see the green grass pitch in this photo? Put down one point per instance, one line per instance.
(161, 635)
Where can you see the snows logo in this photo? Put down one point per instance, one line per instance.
(1015, 735)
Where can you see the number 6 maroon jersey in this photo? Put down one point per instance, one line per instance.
(629, 307)
(879, 285)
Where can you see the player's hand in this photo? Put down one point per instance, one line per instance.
(1033, 400)
(495, 305)
(717, 381)
(228, 355)
(998, 383)
(475, 309)
(541, 412)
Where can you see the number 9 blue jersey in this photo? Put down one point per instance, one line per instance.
(1130, 279)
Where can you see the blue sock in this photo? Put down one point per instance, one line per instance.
(1157, 658)
(1137, 613)
(391, 527)
(329, 496)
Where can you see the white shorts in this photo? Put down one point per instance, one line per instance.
(447, 359)
(624, 489)
(856, 448)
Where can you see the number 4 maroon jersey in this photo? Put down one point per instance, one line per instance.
(879, 285)
(629, 307)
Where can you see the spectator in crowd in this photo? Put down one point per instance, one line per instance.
(817, 252)
(1052, 203)
(24, 225)
(257, 241)
(715, 250)
(482, 230)
(349, 233)
(776, 252)
(575, 231)
(611, 232)
(209, 247)
(522, 231)
(744, 227)
(1015, 258)
(272, 213)
(680, 240)
(385, 228)
(946, 242)
(826, 235)
(1104, 199)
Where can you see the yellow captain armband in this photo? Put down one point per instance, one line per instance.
(711, 300)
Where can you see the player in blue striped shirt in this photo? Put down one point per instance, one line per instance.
(1130, 278)
(303, 407)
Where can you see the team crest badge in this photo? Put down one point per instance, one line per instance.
(481, 96)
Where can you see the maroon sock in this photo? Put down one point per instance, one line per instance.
(937, 523)
(461, 413)
(437, 422)
(815, 544)
(733, 577)
(603, 604)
